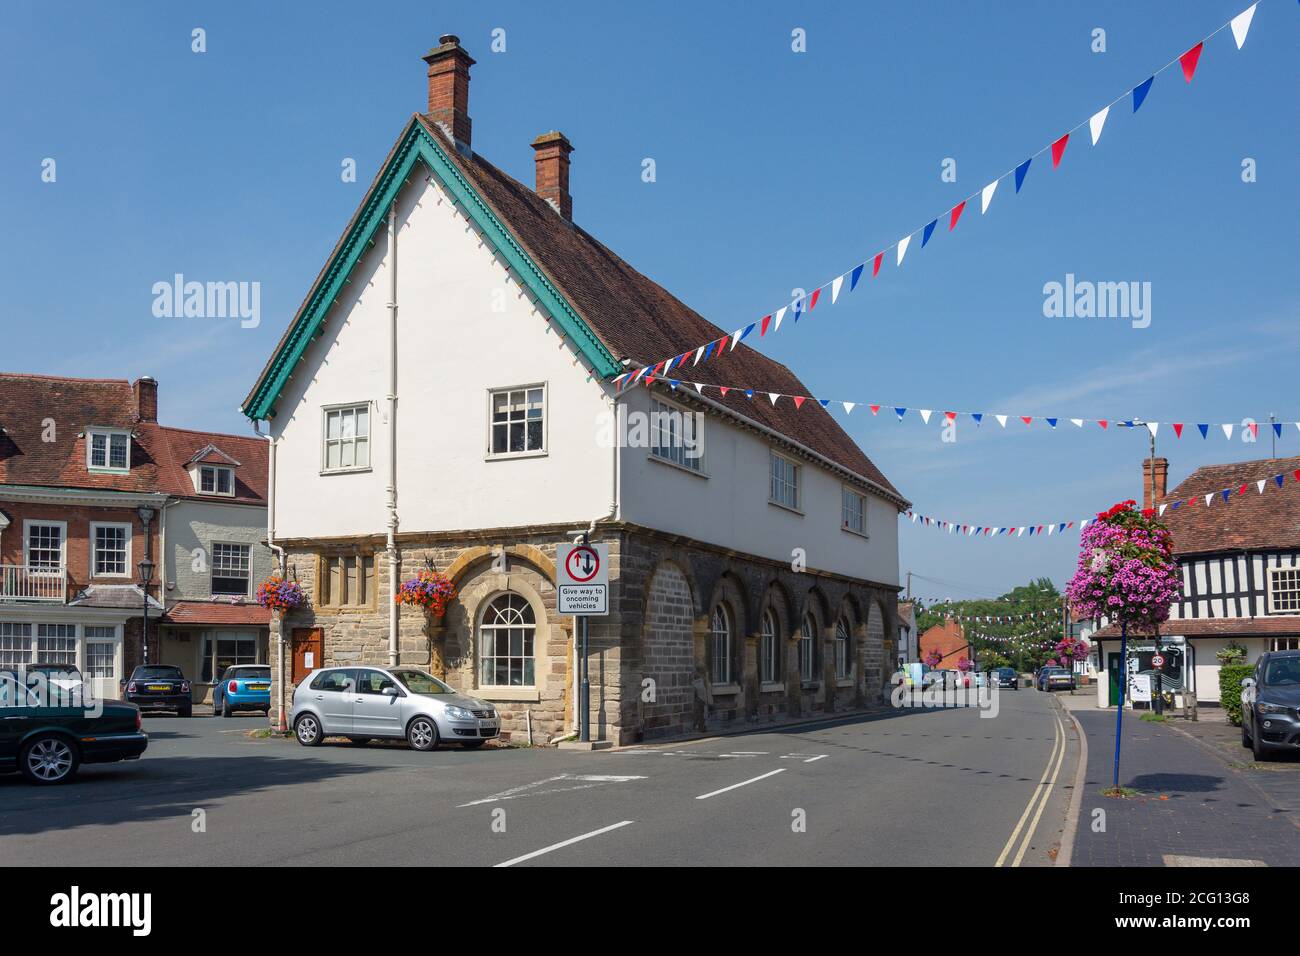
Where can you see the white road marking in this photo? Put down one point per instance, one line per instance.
(1042, 791)
(743, 783)
(561, 845)
(582, 781)
(815, 759)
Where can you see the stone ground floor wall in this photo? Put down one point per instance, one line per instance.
(650, 661)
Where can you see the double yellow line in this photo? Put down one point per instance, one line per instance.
(1039, 798)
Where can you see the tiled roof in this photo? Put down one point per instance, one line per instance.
(216, 612)
(949, 640)
(1249, 521)
(126, 597)
(1215, 627)
(638, 319)
(158, 454)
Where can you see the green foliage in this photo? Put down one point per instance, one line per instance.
(1231, 653)
(1153, 718)
(1230, 678)
(1038, 595)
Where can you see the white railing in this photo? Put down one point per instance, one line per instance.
(20, 583)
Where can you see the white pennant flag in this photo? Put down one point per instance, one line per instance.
(1227, 431)
(835, 288)
(1078, 422)
(1050, 529)
(1002, 420)
(773, 396)
(986, 195)
(1096, 122)
(1208, 499)
(1241, 24)
(902, 248)
(1162, 511)
(699, 388)
(848, 406)
(780, 314)
(1153, 427)
(1260, 485)
(913, 517)
(925, 415)
(1020, 532)
(698, 353)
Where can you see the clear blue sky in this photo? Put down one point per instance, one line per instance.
(775, 170)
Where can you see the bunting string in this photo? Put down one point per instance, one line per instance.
(1188, 61)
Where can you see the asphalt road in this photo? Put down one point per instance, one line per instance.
(931, 787)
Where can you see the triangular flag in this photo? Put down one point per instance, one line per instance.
(875, 409)
(780, 314)
(1261, 484)
(1102, 422)
(955, 215)
(1227, 493)
(1021, 170)
(1078, 422)
(978, 416)
(1241, 24)
(1058, 150)
(1002, 420)
(1254, 429)
(1227, 431)
(1140, 92)
(799, 400)
(1160, 513)
(1178, 429)
(722, 344)
(902, 248)
(900, 412)
(986, 195)
(767, 320)
(1096, 122)
(1051, 421)
(699, 388)
(1153, 427)
(848, 406)
(1189, 61)
(928, 231)
(724, 389)
(812, 300)
(1277, 429)
(773, 396)
(1205, 430)
(835, 288)
(925, 415)
(875, 266)
(1279, 479)
(1208, 499)
(1026, 418)
(857, 274)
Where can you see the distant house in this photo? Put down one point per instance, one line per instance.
(91, 488)
(1240, 562)
(949, 639)
(907, 644)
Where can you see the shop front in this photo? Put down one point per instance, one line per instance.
(205, 638)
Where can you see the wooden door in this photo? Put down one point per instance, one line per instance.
(306, 652)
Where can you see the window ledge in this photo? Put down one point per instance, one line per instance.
(844, 682)
(343, 471)
(810, 684)
(513, 455)
(724, 690)
(515, 694)
(672, 464)
(776, 504)
(854, 531)
(771, 687)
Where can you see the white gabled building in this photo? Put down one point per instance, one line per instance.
(443, 398)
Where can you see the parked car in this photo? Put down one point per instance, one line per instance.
(243, 687)
(362, 703)
(47, 743)
(1270, 705)
(66, 678)
(1055, 678)
(1006, 677)
(159, 687)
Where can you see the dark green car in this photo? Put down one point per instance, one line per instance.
(47, 742)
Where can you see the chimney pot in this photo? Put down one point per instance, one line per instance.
(551, 154)
(449, 88)
(145, 390)
(1154, 489)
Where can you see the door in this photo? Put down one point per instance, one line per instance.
(306, 652)
(332, 694)
(1112, 674)
(374, 712)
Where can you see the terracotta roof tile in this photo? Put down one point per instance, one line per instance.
(216, 612)
(1215, 627)
(1249, 521)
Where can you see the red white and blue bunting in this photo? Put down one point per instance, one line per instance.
(848, 280)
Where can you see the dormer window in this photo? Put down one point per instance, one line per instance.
(108, 450)
(214, 480)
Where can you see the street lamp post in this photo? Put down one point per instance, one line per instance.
(146, 576)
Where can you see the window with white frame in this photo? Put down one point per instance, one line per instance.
(518, 420)
(45, 546)
(843, 660)
(215, 480)
(808, 649)
(230, 569)
(784, 484)
(853, 511)
(506, 641)
(676, 435)
(15, 644)
(347, 438)
(720, 634)
(108, 450)
(110, 554)
(1284, 644)
(1283, 590)
(101, 651)
(769, 661)
(56, 644)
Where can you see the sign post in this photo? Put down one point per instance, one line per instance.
(582, 586)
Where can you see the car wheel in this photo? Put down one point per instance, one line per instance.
(1257, 748)
(225, 707)
(422, 734)
(307, 729)
(49, 759)
(185, 711)
(473, 744)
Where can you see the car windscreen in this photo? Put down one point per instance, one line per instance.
(156, 673)
(418, 682)
(1284, 672)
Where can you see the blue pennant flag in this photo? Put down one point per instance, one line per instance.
(1129, 423)
(1279, 479)
(1205, 430)
(1051, 421)
(929, 231)
(978, 416)
(1061, 528)
(749, 328)
(1021, 170)
(674, 382)
(1277, 429)
(1140, 92)
(708, 351)
(1175, 506)
(749, 393)
(823, 402)
(900, 412)
(857, 274)
(1227, 493)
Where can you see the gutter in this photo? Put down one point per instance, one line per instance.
(393, 608)
(277, 550)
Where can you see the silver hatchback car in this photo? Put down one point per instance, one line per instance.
(362, 703)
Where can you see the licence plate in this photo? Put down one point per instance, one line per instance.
(162, 687)
(259, 686)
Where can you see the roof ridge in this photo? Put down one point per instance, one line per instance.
(41, 377)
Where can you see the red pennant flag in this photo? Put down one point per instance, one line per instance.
(1297, 476)
(1178, 429)
(875, 410)
(1026, 418)
(955, 215)
(722, 345)
(724, 389)
(799, 400)
(950, 415)
(875, 266)
(1241, 490)
(1101, 422)
(1254, 429)
(1058, 150)
(812, 302)
(766, 320)
(1189, 61)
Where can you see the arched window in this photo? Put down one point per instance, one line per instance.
(506, 641)
(769, 661)
(808, 649)
(720, 630)
(843, 662)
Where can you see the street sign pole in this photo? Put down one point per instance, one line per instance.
(582, 585)
(584, 694)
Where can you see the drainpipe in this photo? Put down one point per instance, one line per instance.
(283, 723)
(392, 436)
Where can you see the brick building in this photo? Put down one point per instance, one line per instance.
(949, 640)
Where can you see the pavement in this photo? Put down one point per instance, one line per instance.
(909, 787)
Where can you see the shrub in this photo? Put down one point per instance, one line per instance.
(1230, 678)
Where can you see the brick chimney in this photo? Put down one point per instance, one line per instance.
(449, 88)
(145, 390)
(1161, 466)
(551, 153)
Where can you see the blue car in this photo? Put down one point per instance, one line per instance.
(243, 687)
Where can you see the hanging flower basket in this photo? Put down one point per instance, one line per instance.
(280, 595)
(430, 590)
(1073, 649)
(932, 659)
(964, 665)
(1126, 570)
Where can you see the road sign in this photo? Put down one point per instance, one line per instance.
(582, 579)
(1157, 661)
